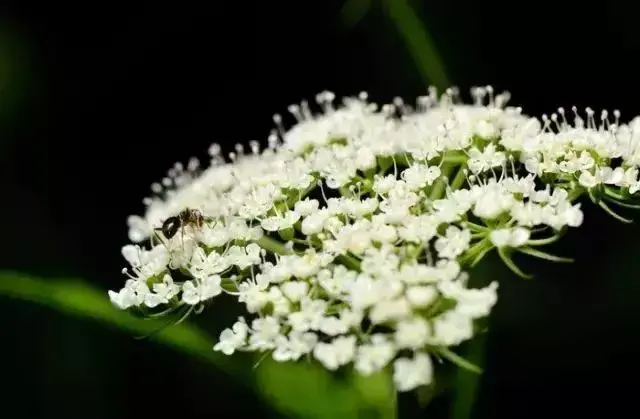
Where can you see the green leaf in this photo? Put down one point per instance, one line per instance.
(272, 245)
(510, 263)
(302, 390)
(466, 384)
(353, 11)
(349, 261)
(613, 213)
(77, 298)
(458, 360)
(480, 256)
(546, 240)
(624, 204)
(614, 194)
(543, 255)
(377, 390)
(419, 43)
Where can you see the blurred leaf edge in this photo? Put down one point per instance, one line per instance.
(78, 298)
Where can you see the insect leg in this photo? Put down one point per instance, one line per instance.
(159, 238)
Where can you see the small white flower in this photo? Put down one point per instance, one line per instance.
(313, 223)
(365, 292)
(310, 315)
(233, 339)
(453, 243)
(307, 207)
(512, 237)
(194, 292)
(452, 328)
(253, 293)
(419, 176)
(604, 175)
(203, 265)
(166, 289)
(387, 310)
(409, 374)
(264, 333)
(333, 326)
(127, 297)
(486, 129)
(337, 353)
(295, 290)
(293, 347)
(421, 296)
(412, 333)
(139, 228)
(480, 161)
(374, 356)
(280, 304)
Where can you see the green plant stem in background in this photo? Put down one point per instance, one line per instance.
(273, 245)
(77, 298)
(419, 43)
(460, 178)
(466, 383)
(353, 11)
(300, 390)
(440, 185)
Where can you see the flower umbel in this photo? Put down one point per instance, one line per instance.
(349, 237)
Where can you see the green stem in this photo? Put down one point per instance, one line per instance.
(297, 197)
(354, 11)
(437, 191)
(419, 43)
(458, 360)
(456, 158)
(624, 204)
(477, 227)
(543, 255)
(461, 176)
(474, 252)
(544, 242)
(394, 401)
(610, 192)
(273, 245)
(349, 261)
(613, 213)
(575, 193)
(502, 252)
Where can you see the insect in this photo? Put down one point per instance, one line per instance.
(186, 217)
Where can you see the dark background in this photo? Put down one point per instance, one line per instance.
(97, 100)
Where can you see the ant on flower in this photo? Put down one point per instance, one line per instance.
(185, 218)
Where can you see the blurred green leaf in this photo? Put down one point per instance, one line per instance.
(303, 398)
(419, 43)
(377, 390)
(349, 397)
(466, 383)
(80, 299)
(353, 11)
(302, 390)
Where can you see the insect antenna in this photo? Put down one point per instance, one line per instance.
(182, 236)
(158, 237)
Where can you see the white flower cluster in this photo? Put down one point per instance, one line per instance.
(346, 239)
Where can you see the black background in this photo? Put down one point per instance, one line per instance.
(99, 99)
